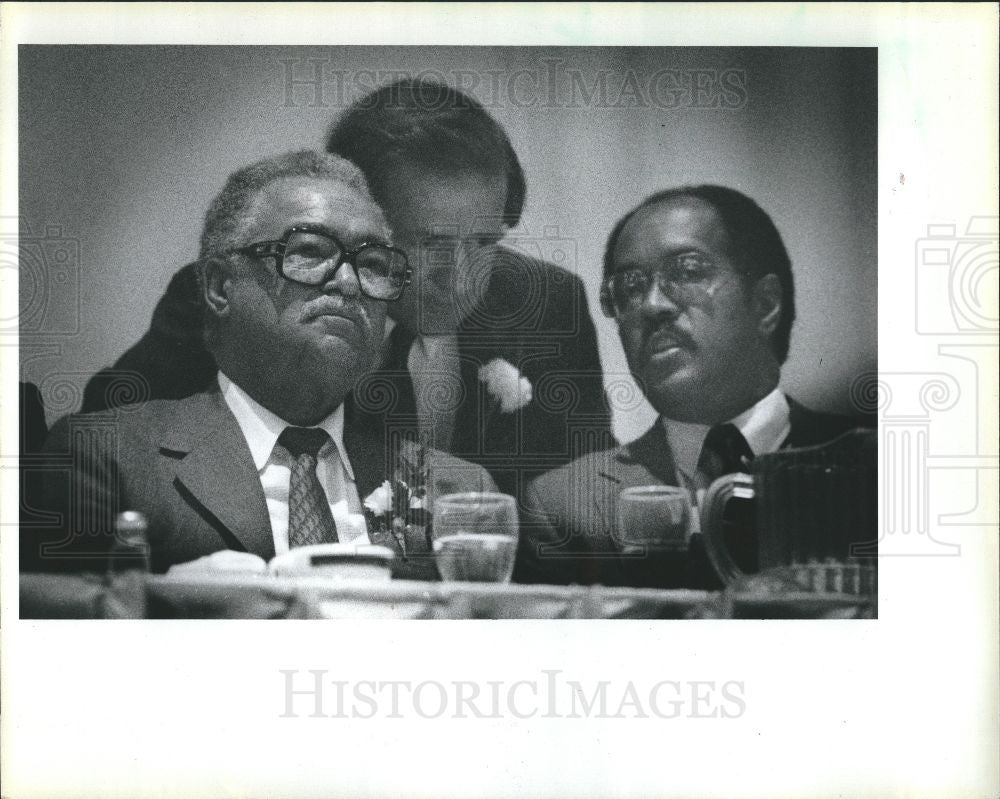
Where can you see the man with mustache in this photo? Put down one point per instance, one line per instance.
(700, 285)
(492, 354)
(296, 273)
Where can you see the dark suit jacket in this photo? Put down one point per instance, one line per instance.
(186, 465)
(33, 433)
(534, 315)
(33, 426)
(568, 532)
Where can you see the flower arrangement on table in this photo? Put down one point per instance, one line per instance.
(397, 511)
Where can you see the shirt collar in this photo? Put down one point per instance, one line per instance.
(765, 425)
(262, 427)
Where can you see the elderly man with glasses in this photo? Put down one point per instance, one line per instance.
(296, 272)
(700, 285)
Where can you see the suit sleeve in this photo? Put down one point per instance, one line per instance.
(566, 535)
(169, 361)
(80, 496)
(540, 527)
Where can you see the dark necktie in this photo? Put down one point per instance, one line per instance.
(309, 517)
(725, 451)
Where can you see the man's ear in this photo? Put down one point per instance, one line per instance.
(216, 284)
(767, 303)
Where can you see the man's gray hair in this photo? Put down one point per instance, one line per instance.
(231, 211)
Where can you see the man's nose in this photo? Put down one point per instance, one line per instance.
(658, 300)
(343, 280)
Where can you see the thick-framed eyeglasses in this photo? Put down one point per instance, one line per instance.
(311, 257)
(684, 278)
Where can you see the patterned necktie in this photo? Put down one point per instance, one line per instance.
(309, 518)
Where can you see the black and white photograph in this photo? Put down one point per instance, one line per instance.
(507, 392)
(542, 379)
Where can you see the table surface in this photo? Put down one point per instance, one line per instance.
(137, 595)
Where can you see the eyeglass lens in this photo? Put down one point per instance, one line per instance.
(310, 258)
(683, 279)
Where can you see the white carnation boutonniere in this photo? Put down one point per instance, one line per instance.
(379, 501)
(506, 384)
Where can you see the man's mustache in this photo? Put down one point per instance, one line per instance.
(332, 305)
(658, 336)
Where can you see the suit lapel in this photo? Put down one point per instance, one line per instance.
(797, 422)
(809, 428)
(473, 415)
(394, 366)
(217, 473)
(647, 457)
(645, 461)
(364, 439)
(367, 424)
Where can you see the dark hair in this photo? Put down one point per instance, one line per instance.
(754, 244)
(430, 124)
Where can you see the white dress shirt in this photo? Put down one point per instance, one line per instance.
(261, 429)
(436, 376)
(765, 426)
(435, 372)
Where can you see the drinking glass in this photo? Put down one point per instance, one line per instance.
(475, 536)
(654, 517)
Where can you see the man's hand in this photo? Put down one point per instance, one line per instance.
(225, 561)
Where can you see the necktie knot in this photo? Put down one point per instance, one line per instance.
(725, 451)
(310, 520)
(303, 440)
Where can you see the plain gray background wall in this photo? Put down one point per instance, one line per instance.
(122, 148)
